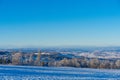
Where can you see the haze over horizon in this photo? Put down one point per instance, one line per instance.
(59, 23)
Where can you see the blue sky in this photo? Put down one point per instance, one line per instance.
(59, 23)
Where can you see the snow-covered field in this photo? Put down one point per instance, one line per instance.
(47, 73)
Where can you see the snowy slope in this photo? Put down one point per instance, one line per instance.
(47, 73)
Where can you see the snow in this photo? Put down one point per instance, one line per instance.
(104, 55)
(43, 53)
(52, 73)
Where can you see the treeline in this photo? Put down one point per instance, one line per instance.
(37, 60)
(88, 63)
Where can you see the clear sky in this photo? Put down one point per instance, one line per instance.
(59, 23)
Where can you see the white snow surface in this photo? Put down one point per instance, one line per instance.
(106, 55)
(54, 73)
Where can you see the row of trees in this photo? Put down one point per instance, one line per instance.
(87, 63)
(26, 59)
(32, 59)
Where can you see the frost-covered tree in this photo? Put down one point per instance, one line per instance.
(94, 63)
(117, 63)
(37, 62)
(74, 63)
(31, 61)
(16, 58)
(69, 62)
(64, 62)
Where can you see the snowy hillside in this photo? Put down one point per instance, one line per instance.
(47, 73)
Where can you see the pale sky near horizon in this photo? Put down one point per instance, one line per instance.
(59, 23)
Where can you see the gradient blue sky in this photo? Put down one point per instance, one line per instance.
(59, 23)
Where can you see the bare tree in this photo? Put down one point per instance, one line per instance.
(117, 63)
(31, 61)
(64, 62)
(16, 58)
(94, 63)
(69, 62)
(74, 63)
(37, 62)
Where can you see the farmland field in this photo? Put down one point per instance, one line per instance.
(52, 73)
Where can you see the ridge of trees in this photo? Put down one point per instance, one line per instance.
(36, 60)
